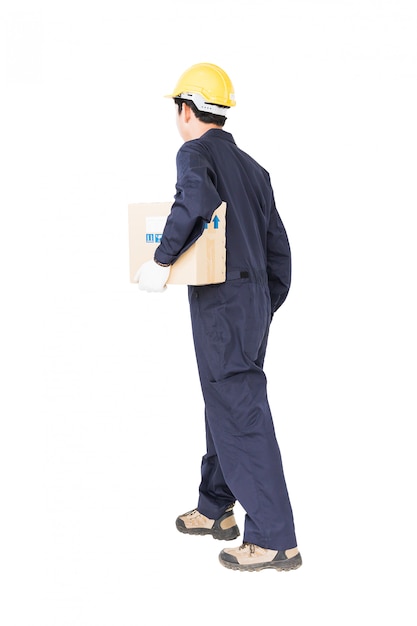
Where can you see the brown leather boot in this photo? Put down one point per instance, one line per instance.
(195, 523)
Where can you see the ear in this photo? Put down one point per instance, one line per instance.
(187, 112)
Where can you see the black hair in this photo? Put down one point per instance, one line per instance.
(203, 116)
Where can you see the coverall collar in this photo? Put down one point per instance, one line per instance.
(219, 132)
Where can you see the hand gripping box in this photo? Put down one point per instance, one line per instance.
(204, 263)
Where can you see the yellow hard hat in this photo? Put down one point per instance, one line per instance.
(207, 85)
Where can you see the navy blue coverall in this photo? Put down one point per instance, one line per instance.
(230, 324)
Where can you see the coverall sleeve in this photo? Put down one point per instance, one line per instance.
(278, 259)
(195, 201)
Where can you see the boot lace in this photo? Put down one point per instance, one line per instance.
(245, 545)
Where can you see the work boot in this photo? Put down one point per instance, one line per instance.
(251, 558)
(195, 523)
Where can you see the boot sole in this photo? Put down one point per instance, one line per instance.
(280, 566)
(225, 535)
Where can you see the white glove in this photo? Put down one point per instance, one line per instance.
(152, 277)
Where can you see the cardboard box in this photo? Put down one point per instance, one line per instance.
(204, 263)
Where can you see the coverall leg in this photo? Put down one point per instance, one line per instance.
(214, 493)
(230, 325)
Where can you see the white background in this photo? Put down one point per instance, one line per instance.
(101, 416)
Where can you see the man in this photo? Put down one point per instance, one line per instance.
(230, 324)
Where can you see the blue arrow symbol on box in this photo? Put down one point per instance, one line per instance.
(215, 220)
